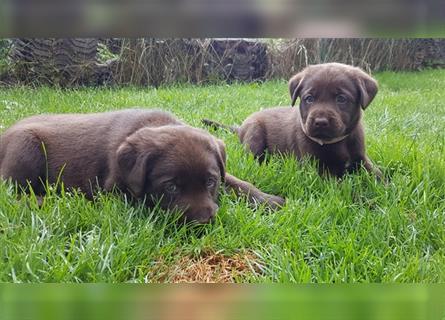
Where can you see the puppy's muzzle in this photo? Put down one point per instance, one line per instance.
(321, 122)
(324, 124)
(203, 214)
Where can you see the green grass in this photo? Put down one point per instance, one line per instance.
(354, 230)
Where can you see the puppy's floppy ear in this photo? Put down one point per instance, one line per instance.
(132, 162)
(221, 158)
(367, 86)
(295, 86)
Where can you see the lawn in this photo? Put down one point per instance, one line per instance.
(354, 230)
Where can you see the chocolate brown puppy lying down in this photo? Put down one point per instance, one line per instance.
(145, 154)
(326, 126)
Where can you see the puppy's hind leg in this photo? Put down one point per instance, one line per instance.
(24, 161)
(254, 137)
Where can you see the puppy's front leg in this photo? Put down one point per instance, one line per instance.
(254, 194)
(368, 165)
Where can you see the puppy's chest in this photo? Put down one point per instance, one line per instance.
(332, 155)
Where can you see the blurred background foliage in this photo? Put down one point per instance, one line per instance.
(221, 302)
(77, 62)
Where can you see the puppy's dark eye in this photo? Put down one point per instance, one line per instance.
(171, 188)
(210, 183)
(341, 99)
(309, 99)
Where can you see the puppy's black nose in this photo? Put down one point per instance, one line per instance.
(205, 214)
(321, 122)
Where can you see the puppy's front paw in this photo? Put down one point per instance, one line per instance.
(380, 177)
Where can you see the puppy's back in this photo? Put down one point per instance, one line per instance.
(274, 127)
(127, 120)
(84, 141)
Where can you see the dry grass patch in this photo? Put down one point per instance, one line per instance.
(207, 268)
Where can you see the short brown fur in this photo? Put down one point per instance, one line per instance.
(327, 124)
(145, 154)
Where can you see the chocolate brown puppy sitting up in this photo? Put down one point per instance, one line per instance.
(145, 154)
(326, 126)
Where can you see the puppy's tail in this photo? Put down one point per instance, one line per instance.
(217, 125)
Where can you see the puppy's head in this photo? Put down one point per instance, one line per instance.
(332, 96)
(180, 166)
